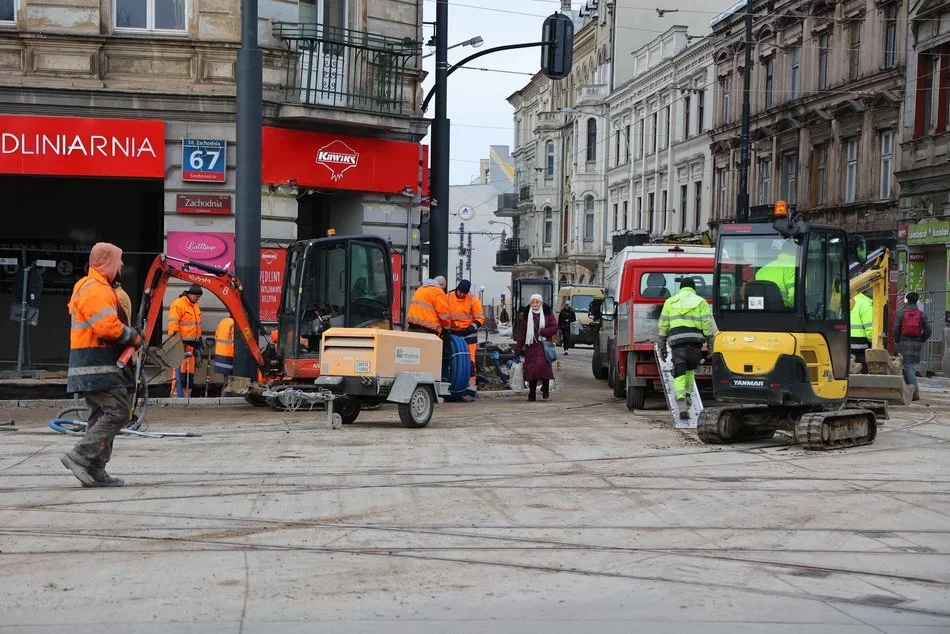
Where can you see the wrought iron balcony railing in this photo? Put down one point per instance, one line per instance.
(347, 69)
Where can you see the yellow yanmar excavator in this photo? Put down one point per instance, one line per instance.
(884, 380)
(782, 354)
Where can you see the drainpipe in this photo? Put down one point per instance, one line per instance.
(603, 267)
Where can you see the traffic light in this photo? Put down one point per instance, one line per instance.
(557, 55)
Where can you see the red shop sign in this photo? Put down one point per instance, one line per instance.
(72, 146)
(334, 161)
(273, 262)
(219, 204)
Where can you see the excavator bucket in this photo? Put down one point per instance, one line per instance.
(885, 381)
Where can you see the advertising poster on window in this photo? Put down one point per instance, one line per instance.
(273, 263)
(916, 270)
(214, 248)
(397, 287)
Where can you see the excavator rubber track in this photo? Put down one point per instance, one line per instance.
(726, 425)
(821, 431)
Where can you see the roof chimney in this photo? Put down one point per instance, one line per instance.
(565, 6)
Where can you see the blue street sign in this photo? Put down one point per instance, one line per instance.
(204, 160)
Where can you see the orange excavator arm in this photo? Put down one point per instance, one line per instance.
(222, 283)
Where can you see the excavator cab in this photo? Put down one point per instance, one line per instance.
(343, 281)
(781, 355)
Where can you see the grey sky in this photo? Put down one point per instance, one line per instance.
(477, 98)
(477, 106)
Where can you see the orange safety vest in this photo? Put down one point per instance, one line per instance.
(224, 347)
(465, 311)
(184, 318)
(96, 337)
(429, 309)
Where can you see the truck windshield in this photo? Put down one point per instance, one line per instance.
(757, 273)
(581, 302)
(663, 284)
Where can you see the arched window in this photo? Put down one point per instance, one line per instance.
(589, 218)
(549, 159)
(591, 139)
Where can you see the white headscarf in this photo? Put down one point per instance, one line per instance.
(530, 336)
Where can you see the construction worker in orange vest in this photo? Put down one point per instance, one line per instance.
(429, 308)
(184, 317)
(97, 338)
(467, 315)
(224, 347)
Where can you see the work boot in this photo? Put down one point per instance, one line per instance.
(82, 474)
(916, 396)
(545, 391)
(103, 479)
(683, 408)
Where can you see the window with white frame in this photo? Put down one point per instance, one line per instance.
(549, 160)
(887, 163)
(151, 15)
(722, 179)
(639, 213)
(854, 51)
(890, 36)
(697, 203)
(616, 215)
(768, 67)
(591, 140)
(684, 198)
(725, 87)
(765, 181)
(668, 127)
(617, 148)
(656, 129)
(790, 177)
(626, 221)
(820, 158)
(7, 10)
(700, 111)
(589, 219)
(641, 136)
(794, 71)
(626, 143)
(687, 102)
(548, 225)
(851, 171)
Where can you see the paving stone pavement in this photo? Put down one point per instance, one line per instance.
(567, 515)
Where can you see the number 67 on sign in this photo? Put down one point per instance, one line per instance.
(204, 160)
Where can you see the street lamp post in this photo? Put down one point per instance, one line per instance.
(474, 42)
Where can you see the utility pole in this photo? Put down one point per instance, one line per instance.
(439, 205)
(247, 223)
(742, 200)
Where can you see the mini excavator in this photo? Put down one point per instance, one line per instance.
(339, 281)
(782, 354)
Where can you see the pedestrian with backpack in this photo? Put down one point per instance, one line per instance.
(911, 330)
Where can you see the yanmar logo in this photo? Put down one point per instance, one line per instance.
(748, 382)
(338, 157)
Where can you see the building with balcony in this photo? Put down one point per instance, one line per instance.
(660, 163)
(924, 176)
(559, 158)
(827, 86)
(117, 121)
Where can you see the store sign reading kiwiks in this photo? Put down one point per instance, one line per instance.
(334, 161)
(74, 146)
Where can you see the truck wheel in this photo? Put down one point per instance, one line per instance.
(347, 408)
(620, 385)
(417, 412)
(596, 367)
(636, 397)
